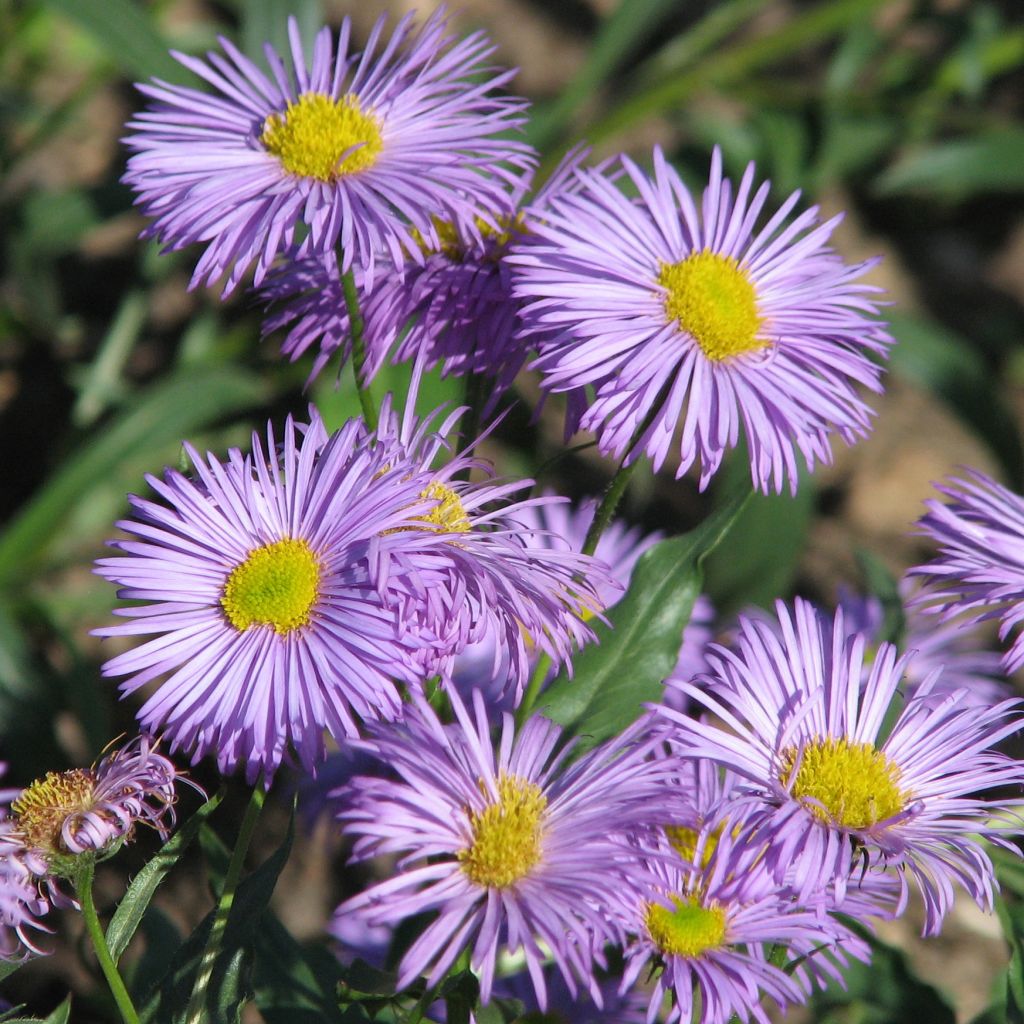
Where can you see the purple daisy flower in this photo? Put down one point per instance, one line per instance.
(494, 578)
(258, 578)
(511, 847)
(718, 912)
(805, 723)
(454, 308)
(363, 150)
(679, 318)
(980, 566)
(93, 810)
(957, 650)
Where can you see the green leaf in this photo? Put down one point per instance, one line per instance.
(990, 162)
(133, 904)
(230, 985)
(619, 36)
(460, 993)
(266, 21)
(950, 367)
(61, 1015)
(759, 562)
(1011, 917)
(614, 678)
(127, 35)
(166, 412)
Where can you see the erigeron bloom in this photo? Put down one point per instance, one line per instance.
(93, 810)
(701, 321)
(361, 150)
(716, 916)
(803, 726)
(979, 571)
(455, 308)
(259, 595)
(493, 576)
(955, 647)
(512, 847)
(65, 815)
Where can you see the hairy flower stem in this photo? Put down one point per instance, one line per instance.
(196, 1013)
(609, 503)
(83, 889)
(357, 326)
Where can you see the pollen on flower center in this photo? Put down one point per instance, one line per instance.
(323, 138)
(276, 586)
(506, 835)
(852, 785)
(42, 809)
(449, 514)
(714, 301)
(688, 930)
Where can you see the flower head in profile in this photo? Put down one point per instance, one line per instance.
(361, 149)
(493, 577)
(699, 320)
(806, 733)
(510, 845)
(455, 308)
(979, 571)
(266, 624)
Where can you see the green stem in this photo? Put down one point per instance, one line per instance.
(83, 888)
(540, 672)
(357, 327)
(609, 503)
(196, 1013)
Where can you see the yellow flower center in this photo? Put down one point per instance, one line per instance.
(688, 930)
(323, 138)
(275, 586)
(452, 245)
(684, 841)
(448, 515)
(854, 784)
(713, 301)
(42, 809)
(506, 835)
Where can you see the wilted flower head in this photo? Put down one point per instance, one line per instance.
(697, 320)
(363, 150)
(805, 728)
(260, 585)
(979, 572)
(91, 810)
(509, 845)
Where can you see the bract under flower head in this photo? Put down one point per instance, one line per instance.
(491, 579)
(697, 321)
(979, 572)
(362, 149)
(509, 846)
(455, 308)
(260, 589)
(805, 723)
